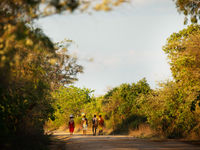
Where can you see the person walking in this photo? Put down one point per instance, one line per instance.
(84, 124)
(101, 125)
(71, 124)
(94, 125)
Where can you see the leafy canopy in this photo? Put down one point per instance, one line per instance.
(190, 8)
(183, 50)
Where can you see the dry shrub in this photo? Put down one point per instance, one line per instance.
(143, 131)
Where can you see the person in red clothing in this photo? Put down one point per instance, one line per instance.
(71, 124)
(101, 125)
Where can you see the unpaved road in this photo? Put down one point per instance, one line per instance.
(79, 142)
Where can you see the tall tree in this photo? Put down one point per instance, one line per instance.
(31, 66)
(183, 50)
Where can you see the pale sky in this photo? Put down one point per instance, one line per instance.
(125, 44)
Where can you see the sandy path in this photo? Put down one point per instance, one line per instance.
(79, 142)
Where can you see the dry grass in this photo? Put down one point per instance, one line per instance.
(193, 137)
(144, 131)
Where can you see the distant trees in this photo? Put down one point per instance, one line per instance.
(69, 100)
(123, 103)
(173, 109)
(122, 106)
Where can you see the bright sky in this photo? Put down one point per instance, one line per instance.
(125, 44)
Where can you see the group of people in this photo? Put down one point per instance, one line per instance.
(97, 123)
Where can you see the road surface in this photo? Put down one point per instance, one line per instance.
(79, 142)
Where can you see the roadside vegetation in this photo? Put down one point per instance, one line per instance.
(36, 77)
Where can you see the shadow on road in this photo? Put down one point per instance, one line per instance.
(120, 142)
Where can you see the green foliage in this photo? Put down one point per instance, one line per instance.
(122, 103)
(70, 100)
(168, 111)
(183, 52)
(175, 105)
(189, 8)
(120, 107)
(93, 108)
(31, 66)
(27, 10)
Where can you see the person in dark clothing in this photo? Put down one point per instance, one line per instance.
(94, 124)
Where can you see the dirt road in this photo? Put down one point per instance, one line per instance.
(79, 142)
